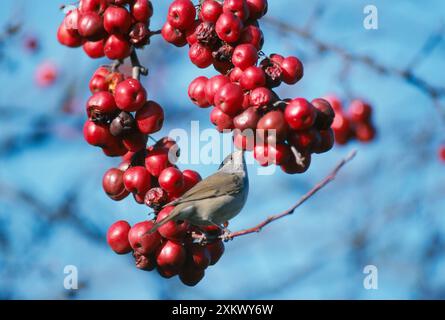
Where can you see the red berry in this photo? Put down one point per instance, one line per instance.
(230, 99)
(191, 276)
(210, 11)
(171, 256)
(360, 111)
(237, 7)
(442, 153)
(276, 58)
(114, 147)
(141, 241)
(173, 35)
(257, 8)
(117, 47)
(272, 127)
(245, 140)
(68, 39)
(247, 120)
(325, 114)
(90, 26)
(142, 10)
(221, 120)
(261, 97)
(228, 27)
(300, 114)
(235, 75)
(94, 49)
(305, 140)
(214, 85)
(97, 134)
(191, 34)
(244, 56)
(171, 180)
(197, 92)
(191, 178)
(216, 250)
(252, 35)
(97, 6)
(269, 154)
(364, 132)
(71, 22)
(46, 74)
(200, 55)
(137, 180)
(198, 256)
(292, 70)
(117, 20)
(117, 237)
(157, 160)
(253, 77)
(172, 230)
(168, 144)
(101, 103)
(113, 184)
(130, 95)
(342, 128)
(181, 14)
(150, 118)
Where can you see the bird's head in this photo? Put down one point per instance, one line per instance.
(234, 163)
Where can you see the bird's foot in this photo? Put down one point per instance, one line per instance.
(226, 235)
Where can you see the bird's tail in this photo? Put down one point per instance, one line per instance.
(168, 218)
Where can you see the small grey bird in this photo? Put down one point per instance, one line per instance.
(216, 199)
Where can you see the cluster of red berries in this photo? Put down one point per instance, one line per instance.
(111, 124)
(153, 179)
(227, 35)
(149, 174)
(107, 27)
(353, 123)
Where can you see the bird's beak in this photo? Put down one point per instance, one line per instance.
(238, 156)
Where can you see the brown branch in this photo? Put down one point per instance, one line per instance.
(435, 93)
(323, 183)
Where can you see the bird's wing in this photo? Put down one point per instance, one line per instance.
(226, 184)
